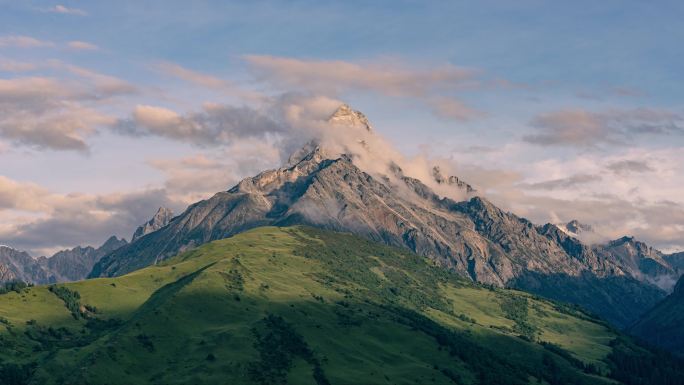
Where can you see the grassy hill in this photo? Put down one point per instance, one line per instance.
(305, 306)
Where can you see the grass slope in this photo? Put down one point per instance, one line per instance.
(302, 306)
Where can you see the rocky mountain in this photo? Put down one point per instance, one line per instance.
(6, 275)
(328, 189)
(71, 264)
(663, 325)
(159, 220)
(575, 228)
(63, 266)
(676, 260)
(641, 261)
(451, 180)
(20, 266)
(76, 263)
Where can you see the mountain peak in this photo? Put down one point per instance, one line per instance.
(160, 219)
(575, 226)
(112, 243)
(451, 180)
(623, 240)
(345, 115)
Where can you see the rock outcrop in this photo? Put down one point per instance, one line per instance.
(160, 219)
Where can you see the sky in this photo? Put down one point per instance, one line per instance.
(552, 110)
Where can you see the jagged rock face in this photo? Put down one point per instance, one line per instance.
(474, 238)
(451, 180)
(575, 227)
(347, 117)
(159, 220)
(6, 274)
(20, 266)
(606, 288)
(639, 260)
(583, 253)
(76, 263)
(63, 266)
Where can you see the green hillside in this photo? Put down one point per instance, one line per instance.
(663, 326)
(305, 306)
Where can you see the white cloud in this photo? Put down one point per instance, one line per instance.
(8, 65)
(432, 86)
(23, 42)
(22, 195)
(211, 82)
(78, 45)
(582, 128)
(214, 125)
(57, 114)
(192, 178)
(61, 9)
(36, 219)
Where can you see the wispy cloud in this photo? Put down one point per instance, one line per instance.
(209, 81)
(450, 108)
(82, 219)
(385, 78)
(630, 166)
(582, 128)
(8, 65)
(21, 41)
(572, 181)
(77, 45)
(64, 10)
(57, 114)
(21, 195)
(195, 77)
(433, 86)
(213, 126)
(195, 177)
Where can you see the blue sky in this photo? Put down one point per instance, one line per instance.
(555, 110)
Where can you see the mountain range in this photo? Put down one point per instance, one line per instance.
(65, 265)
(330, 188)
(72, 264)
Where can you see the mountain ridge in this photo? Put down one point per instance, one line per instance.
(65, 265)
(327, 189)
